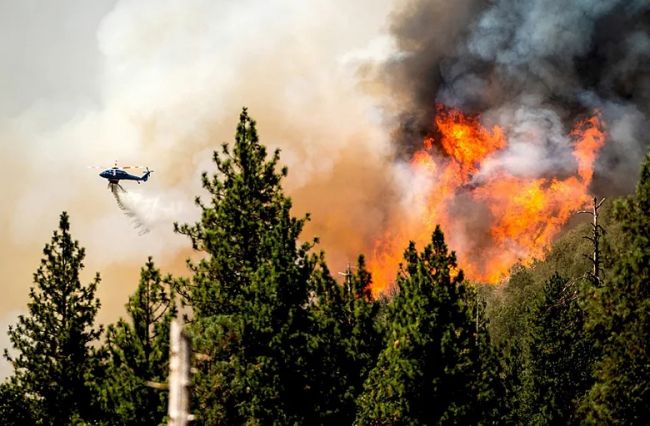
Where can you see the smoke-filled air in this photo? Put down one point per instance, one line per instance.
(367, 212)
(509, 116)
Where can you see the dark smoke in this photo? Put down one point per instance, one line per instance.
(426, 33)
(128, 210)
(533, 67)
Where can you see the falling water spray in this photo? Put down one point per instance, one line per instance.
(123, 203)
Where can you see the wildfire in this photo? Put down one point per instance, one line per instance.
(493, 221)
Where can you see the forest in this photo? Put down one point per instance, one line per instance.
(279, 338)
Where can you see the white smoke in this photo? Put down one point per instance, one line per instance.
(538, 141)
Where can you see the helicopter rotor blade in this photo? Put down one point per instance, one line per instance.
(118, 167)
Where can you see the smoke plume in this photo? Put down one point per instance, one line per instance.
(533, 70)
(532, 67)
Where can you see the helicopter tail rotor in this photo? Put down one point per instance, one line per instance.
(146, 174)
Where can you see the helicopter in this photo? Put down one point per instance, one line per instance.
(115, 174)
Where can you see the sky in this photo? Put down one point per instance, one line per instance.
(161, 83)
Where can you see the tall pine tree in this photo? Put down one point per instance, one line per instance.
(428, 369)
(619, 313)
(54, 360)
(559, 355)
(346, 342)
(139, 353)
(249, 294)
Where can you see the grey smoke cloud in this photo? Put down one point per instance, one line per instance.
(533, 67)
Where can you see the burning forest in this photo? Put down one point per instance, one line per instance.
(448, 146)
(507, 125)
(494, 217)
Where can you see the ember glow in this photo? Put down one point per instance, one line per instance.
(503, 218)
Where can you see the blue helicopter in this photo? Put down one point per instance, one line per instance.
(115, 174)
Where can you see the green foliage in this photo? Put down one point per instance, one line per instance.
(249, 295)
(576, 350)
(428, 370)
(559, 355)
(15, 409)
(489, 391)
(139, 353)
(345, 342)
(510, 304)
(55, 363)
(619, 314)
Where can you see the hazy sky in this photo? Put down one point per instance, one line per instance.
(161, 83)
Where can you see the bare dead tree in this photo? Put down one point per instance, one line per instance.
(597, 232)
(179, 376)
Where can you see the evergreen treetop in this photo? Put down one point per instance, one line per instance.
(54, 359)
(427, 370)
(249, 294)
(138, 352)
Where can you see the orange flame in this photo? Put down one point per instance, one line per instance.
(464, 139)
(523, 214)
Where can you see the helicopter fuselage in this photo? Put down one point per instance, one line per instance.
(115, 175)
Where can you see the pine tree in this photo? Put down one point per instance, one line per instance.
(560, 355)
(516, 377)
(15, 409)
(249, 294)
(489, 405)
(620, 315)
(427, 371)
(55, 362)
(139, 353)
(346, 342)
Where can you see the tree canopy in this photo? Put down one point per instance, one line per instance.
(55, 362)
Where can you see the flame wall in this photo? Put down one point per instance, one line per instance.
(497, 219)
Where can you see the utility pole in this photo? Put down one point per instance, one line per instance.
(597, 232)
(179, 376)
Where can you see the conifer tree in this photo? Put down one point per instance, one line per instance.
(139, 353)
(560, 355)
(15, 409)
(427, 371)
(249, 294)
(54, 361)
(619, 313)
(489, 405)
(516, 376)
(346, 342)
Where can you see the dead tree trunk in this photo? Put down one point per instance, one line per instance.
(179, 376)
(597, 232)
